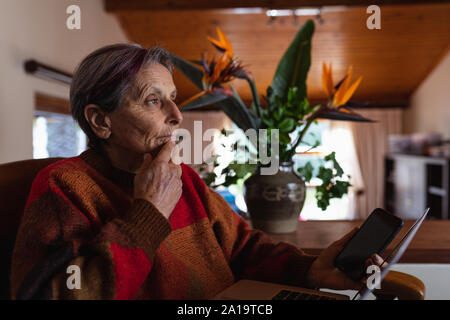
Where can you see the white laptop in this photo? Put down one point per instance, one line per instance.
(257, 290)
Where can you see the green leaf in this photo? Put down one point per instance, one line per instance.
(287, 125)
(253, 108)
(267, 120)
(243, 169)
(294, 65)
(332, 157)
(209, 179)
(189, 70)
(238, 98)
(325, 174)
(240, 116)
(210, 98)
(292, 93)
(284, 139)
(277, 116)
(333, 114)
(306, 172)
(331, 187)
(269, 91)
(339, 188)
(322, 202)
(255, 97)
(197, 62)
(230, 180)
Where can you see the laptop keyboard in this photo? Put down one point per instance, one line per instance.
(295, 295)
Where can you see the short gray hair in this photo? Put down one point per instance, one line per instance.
(104, 77)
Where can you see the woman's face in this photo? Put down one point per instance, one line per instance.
(148, 115)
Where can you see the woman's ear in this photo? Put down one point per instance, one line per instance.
(98, 120)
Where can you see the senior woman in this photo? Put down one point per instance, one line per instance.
(122, 221)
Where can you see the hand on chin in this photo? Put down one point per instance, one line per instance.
(154, 152)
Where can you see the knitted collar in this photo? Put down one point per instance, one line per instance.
(100, 162)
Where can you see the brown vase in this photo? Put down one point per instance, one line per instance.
(274, 202)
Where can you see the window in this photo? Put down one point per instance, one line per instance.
(338, 208)
(55, 133)
(329, 140)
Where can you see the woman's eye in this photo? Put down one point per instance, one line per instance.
(153, 101)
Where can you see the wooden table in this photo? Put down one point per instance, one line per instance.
(431, 244)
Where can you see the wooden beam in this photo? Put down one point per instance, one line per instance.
(120, 5)
(47, 72)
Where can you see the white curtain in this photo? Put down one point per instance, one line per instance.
(360, 148)
(339, 138)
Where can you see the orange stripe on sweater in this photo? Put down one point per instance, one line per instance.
(41, 182)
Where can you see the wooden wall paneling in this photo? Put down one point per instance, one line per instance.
(393, 60)
(115, 5)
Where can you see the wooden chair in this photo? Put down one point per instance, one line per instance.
(15, 184)
(402, 286)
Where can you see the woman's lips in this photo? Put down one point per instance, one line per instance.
(168, 138)
(172, 138)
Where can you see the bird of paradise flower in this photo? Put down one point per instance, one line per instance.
(337, 107)
(214, 73)
(217, 72)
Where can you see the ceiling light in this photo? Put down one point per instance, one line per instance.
(307, 12)
(296, 12)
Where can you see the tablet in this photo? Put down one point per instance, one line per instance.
(374, 236)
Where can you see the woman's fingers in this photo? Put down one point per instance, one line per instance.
(159, 180)
(375, 259)
(166, 152)
(146, 163)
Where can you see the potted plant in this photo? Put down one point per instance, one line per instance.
(274, 202)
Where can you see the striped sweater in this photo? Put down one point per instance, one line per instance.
(81, 213)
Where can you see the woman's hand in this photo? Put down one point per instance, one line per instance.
(323, 273)
(158, 180)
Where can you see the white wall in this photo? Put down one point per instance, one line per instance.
(37, 29)
(435, 277)
(429, 109)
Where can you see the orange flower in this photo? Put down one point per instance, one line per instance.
(344, 91)
(223, 44)
(327, 79)
(219, 71)
(223, 70)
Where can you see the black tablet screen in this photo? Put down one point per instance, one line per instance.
(374, 236)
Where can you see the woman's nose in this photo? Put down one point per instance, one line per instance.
(175, 116)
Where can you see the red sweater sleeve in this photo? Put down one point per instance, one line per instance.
(252, 254)
(114, 258)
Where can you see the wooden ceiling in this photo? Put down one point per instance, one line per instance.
(393, 61)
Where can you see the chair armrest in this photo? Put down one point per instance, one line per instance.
(401, 285)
